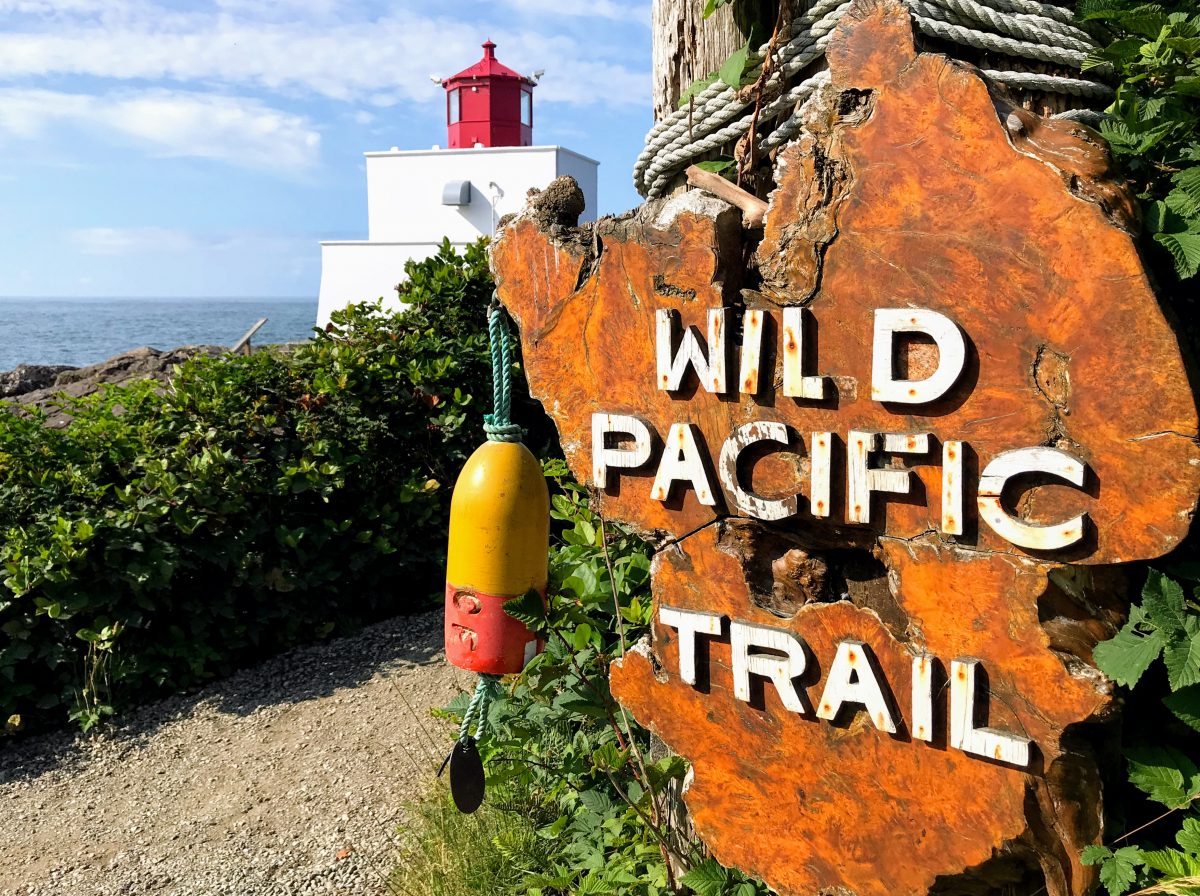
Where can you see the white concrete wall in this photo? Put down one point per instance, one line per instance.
(583, 170)
(363, 271)
(404, 189)
(406, 218)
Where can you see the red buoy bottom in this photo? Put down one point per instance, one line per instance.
(481, 637)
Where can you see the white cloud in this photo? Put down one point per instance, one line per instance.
(159, 241)
(306, 47)
(131, 240)
(636, 13)
(230, 129)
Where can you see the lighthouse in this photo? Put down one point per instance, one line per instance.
(489, 104)
(417, 197)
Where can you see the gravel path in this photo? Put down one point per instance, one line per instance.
(287, 778)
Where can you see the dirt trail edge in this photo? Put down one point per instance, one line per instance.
(287, 778)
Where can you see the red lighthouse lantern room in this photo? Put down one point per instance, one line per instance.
(489, 104)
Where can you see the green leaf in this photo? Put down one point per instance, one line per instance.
(1189, 836)
(1126, 657)
(1185, 250)
(1164, 603)
(593, 885)
(1189, 182)
(529, 609)
(1165, 774)
(1171, 862)
(1118, 871)
(596, 801)
(712, 6)
(609, 758)
(1185, 703)
(737, 70)
(697, 87)
(1183, 662)
(707, 879)
(717, 166)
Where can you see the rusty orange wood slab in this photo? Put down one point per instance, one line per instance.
(892, 448)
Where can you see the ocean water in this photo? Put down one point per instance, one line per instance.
(82, 331)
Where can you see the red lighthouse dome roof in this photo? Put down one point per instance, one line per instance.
(489, 104)
(488, 67)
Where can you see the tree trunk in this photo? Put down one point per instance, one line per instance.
(688, 46)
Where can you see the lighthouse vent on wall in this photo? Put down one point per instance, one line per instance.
(417, 197)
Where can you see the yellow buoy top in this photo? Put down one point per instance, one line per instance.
(499, 522)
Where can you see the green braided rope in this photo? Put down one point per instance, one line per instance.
(498, 425)
(477, 709)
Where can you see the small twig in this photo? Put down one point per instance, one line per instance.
(612, 720)
(759, 88)
(754, 210)
(634, 748)
(1126, 836)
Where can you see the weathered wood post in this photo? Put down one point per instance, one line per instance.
(893, 446)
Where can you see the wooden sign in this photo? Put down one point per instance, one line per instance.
(891, 451)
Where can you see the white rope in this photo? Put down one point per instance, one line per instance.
(719, 114)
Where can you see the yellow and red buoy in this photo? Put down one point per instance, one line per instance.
(499, 543)
(499, 536)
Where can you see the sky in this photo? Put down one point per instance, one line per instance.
(206, 147)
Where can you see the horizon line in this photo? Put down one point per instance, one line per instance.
(156, 296)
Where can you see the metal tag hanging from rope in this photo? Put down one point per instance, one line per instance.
(499, 547)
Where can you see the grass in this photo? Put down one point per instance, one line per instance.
(489, 853)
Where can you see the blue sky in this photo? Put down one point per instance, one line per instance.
(204, 148)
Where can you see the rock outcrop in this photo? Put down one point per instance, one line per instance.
(136, 364)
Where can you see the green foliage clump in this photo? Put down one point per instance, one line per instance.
(1156, 652)
(561, 754)
(1154, 128)
(169, 535)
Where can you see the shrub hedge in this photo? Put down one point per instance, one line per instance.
(167, 536)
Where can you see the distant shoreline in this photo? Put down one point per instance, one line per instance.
(80, 331)
(151, 298)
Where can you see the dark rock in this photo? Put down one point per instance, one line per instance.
(137, 364)
(560, 203)
(28, 377)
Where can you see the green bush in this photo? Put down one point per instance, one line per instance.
(167, 536)
(1154, 123)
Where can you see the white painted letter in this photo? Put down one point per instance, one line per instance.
(752, 505)
(989, 742)
(1029, 460)
(795, 383)
(671, 367)
(752, 337)
(689, 623)
(780, 669)
(952, 355)
(952, 488)
(682, 462)
(604, 457)
(862, 479)
(820, 473)
(852, 680)
(922, 697)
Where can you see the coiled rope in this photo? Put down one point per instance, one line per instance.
(498, 425)
(1022, 29)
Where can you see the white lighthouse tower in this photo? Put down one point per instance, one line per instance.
(415, 198)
